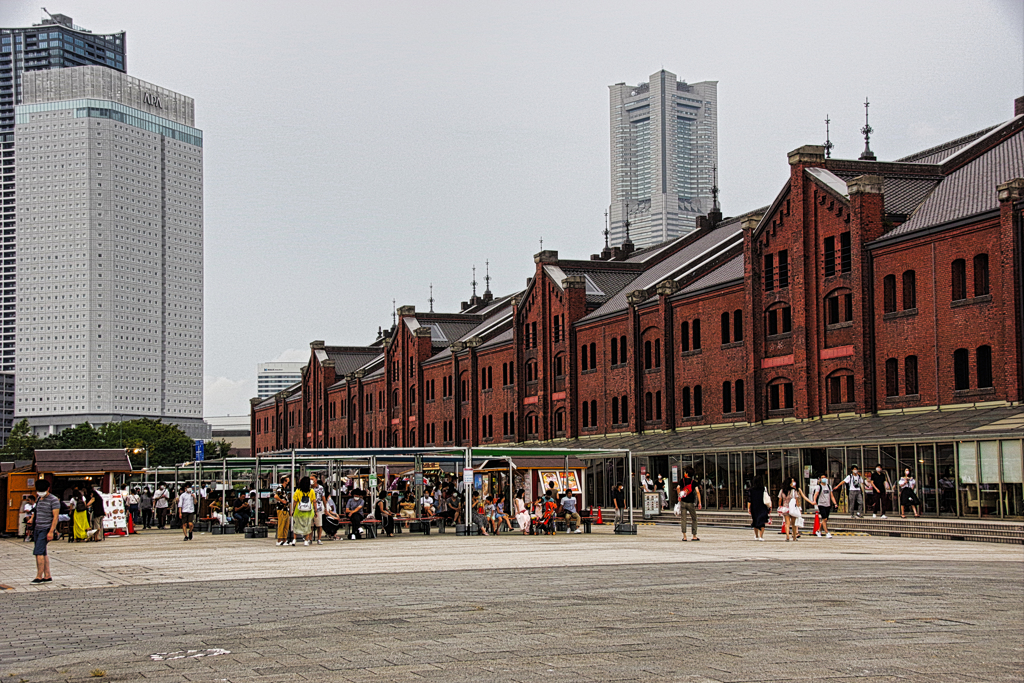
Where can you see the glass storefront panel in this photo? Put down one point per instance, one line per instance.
(945, 463)
(1012, 468)
(738, 481)
(967, 469)
(888, 461)
(927, 484)
(791, 466)
(775, 472)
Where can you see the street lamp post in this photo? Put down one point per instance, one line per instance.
(144, 449)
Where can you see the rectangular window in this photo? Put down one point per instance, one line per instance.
(783, 269)
(772, 322)
(830, 256)
(832, 310)
(845, 253)
(769, 272)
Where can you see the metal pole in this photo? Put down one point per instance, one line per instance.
(629, 459)
(468, 503)
(223, 488)
(565, 474)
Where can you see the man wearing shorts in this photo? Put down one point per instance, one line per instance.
(187, 511)
(822, 497)
(45, 529)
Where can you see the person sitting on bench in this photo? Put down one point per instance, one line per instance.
(355, 514)
(572, 518)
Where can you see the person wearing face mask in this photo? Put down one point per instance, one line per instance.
(187, 510)
(789, 502)
(880, 483)
(855, 491)
(822, 498)
(908, 497)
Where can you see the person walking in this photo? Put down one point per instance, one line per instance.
(283, 515)
(759, 505)
(318, 515)
(146, 507)
(303, 505)
(162, 503)
(99, 513)
(134, 501)
(882, 487)
(44, 521)
(791, 496)
(660, 487)
(854, 491)
(187, 510)
(619, 501)
(821, 497)
(908, 494)
(688, 493)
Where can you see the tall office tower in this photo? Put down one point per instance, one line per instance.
(664, 148)
(110, 251)
(274, 377)
(54, 44)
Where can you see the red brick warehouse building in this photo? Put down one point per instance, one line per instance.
(871, 314)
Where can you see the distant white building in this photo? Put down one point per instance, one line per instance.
(110, 251)
(274, 377)
(664, 152)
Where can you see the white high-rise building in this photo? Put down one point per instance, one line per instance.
(110, 251)
(664, 153)
(274, 377)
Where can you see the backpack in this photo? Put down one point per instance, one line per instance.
(80, 506)
(304, 504)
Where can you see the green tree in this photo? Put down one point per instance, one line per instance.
(167, 444)
(217, 449)
(82, 436)
(20, 443)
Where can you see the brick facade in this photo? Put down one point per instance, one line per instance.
(865, 287)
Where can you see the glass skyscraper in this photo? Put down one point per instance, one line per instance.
(664, 152)
(55, 43)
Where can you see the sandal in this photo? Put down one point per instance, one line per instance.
(685, 539)
(695, 538)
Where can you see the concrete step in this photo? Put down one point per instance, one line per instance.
(956, 529)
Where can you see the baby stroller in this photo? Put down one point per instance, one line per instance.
(547, 521)
(331, 526)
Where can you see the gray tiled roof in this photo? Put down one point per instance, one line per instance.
(728, 271)
(902, 194)
(935, 155)
(970, 189)
(688, 256)
(944, 425)
(608, 282)
(350, 360)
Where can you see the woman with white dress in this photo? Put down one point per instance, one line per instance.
(908, 494)
(522, 512)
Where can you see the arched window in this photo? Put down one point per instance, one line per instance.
(840, 387)
(889, 294)
(560, 421)
(624, 408)
(585, 414)
(657, 353)
(737, 325)
(910, 376)
(981, 275)
(648, 406)
(648, 359)
(738, 385)
(593, 413)
(983, 356)
(696, 334)
(584, 360)
(909, 290)
(778, 320)
(726, 397)
(615, 350)
(687, 406)
(958, 275)
(615, 410)
(698, 400)
(961, 370)
(412, 395)
(622, 349)
(726, 328)
(558, 365)
(684, 336)
(412, 436)
(531, 371)
(780, 394)
(657, 405)
(892, 377)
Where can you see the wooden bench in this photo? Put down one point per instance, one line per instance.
(587, 523)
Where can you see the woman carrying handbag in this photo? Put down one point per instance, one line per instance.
(791, 495)
(759, 505)
(908, 496)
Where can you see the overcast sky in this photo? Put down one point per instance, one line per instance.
(356, 152)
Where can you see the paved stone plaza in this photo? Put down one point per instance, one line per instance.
(565, 608)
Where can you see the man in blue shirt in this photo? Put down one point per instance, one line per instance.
(572, 518)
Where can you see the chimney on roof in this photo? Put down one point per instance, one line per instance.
(1018, 106)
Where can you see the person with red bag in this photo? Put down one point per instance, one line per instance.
(689, 501)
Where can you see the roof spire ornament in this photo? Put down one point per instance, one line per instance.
(866, 131)
(431, 299)
(487, 280)
(606, 230)
(394, 314)
(714, 190)
(828, 140)
(474, 282)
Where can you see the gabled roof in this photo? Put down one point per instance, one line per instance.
(699, 251)
(350, 358)
(935, 155)
(82, 460)
(730, 271)
(971, 189)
